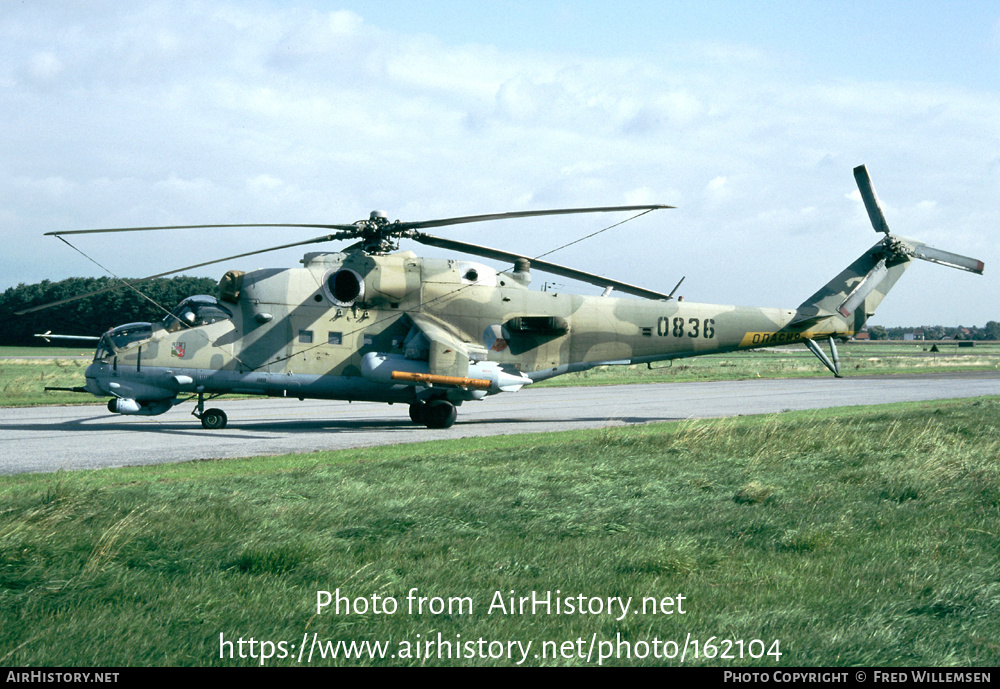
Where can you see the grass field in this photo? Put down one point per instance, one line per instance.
(856, 358)
(864, 536)
(23, 380)
(46, 352)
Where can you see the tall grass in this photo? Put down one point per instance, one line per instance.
(865, 537)
(23, 381)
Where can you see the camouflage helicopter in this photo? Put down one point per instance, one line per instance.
(377, 324)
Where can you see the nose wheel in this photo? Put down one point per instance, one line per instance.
(212, 419)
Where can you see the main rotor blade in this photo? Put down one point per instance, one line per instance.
(315, 240)
(197, 227)
(545, 266)
(519, 214)
(398, 225)
(871, 200)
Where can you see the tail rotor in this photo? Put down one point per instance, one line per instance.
(894, 249)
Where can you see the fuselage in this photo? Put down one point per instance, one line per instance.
(305, 332)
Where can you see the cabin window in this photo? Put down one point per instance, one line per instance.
(305, 336)
(335, 338)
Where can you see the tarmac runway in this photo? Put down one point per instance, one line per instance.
(46, 439)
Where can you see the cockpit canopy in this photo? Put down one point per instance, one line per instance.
(122, 337)
(190, 313)
(195, 311)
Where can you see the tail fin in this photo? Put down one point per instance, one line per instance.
(852, 297)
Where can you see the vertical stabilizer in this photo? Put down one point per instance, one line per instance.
(852, 297)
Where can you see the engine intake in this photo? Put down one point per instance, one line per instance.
(345, 287)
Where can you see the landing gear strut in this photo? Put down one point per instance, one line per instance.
(434, 414)
(212, 419)
(833, 365)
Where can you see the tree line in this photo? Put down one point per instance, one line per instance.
(991, 331)
(94, 315)
(90, 315)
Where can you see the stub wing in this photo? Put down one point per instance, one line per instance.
(449, 350)
(436, 354)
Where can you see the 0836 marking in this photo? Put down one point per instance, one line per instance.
(691, 327)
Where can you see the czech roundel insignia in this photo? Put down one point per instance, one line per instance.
(178, 349)
(496, 338)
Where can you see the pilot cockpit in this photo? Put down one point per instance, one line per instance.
(190, 313)
(122, 337)
(195, 311)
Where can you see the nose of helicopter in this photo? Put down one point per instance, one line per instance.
(93, 386)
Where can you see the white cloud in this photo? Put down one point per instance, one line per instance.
(45, 66)
(181, 113)
(718, 189)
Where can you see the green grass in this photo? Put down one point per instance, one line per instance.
(856, 358)
(23, 381)
(85, 351)
(866, 536)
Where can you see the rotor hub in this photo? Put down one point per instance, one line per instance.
(378, 235)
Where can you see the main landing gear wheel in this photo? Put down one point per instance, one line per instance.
(214, 419)
(418, 411)
(439, 414)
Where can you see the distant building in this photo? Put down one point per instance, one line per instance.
(915, 335)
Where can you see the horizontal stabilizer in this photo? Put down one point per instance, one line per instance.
(809, 315)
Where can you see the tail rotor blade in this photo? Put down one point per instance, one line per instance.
(863, 289)
(908, 247)
(871, 200)
(946, 258)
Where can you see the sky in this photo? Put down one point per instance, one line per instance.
(748, 117)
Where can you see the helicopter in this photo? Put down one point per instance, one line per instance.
(374, 323)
